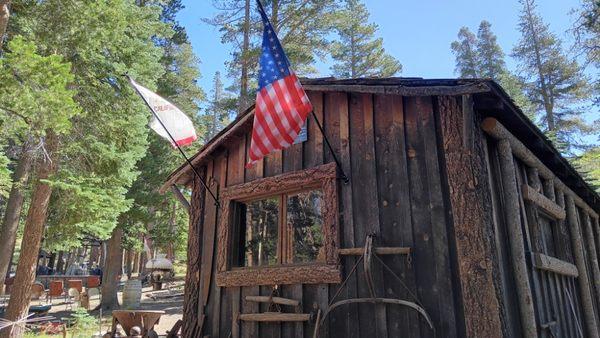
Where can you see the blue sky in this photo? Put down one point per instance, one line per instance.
(418, 33)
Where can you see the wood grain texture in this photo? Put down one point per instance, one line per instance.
(513, 220)
(548, 263)
(275, 317)
(472, 217)
(543, 202)
(323, 177)
(587, 301)
(192, 303)
(498, 131)
(308, 274)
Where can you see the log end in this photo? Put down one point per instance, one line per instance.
(489, 124)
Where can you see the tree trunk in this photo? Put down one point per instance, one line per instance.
(112, 268)
(245, 47)
(129, 262)
(10, 223)
(546, 97)
(60, 264)
(95, 254)
(18, 305)
(4, 14)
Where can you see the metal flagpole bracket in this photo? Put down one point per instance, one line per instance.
(337, 162)
(217, 204)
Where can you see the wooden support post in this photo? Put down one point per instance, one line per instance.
(592, 255)
(513, 222)
(472, 215)
(584, 281)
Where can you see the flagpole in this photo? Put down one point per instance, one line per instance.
(174, 142)
(337, 162)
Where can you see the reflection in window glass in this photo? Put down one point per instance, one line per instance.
(262, 219)
(305, 221)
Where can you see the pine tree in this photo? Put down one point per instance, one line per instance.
(489, 54)
(554, 83)
(302, 26)
(358, 53)
(464, 50)
(217, 114)
(35, 91)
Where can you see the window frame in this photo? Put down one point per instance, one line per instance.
(323, 177)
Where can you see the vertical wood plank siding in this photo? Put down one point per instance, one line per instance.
(405, 172)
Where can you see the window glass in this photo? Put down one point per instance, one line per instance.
(305, 221)
(261, 232)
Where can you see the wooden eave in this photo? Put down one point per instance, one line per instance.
(489, 98)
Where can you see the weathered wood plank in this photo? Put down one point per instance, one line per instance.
(439, 221)
(210, 215)
(337, 128)
(394, 208)
(276, 300)
(377, 250)
(192, 302)
(235, 311)
(313, 147)
(513, 221)
(471, 211)
(541, 201)
(221, 302)
(291, 274)
(275, 317)
(364, 189)
(548, 263)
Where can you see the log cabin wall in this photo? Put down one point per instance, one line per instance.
(388, 145)
(546, 241)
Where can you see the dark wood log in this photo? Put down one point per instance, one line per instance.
(301, 274)
(583, 279)
(543, 202)
(590, 244)
(549, 263)
(472, 216)
(513, 221)
(275, 317)
(192, 304)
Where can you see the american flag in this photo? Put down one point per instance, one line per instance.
(281, 104)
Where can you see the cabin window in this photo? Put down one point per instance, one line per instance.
(280, 230)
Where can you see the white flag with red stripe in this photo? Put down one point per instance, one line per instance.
(281, 103)
(177, 123)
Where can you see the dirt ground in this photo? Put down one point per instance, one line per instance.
(172, 306)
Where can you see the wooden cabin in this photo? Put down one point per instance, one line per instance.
(460, 219)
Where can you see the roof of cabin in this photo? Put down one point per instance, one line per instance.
(488, 95)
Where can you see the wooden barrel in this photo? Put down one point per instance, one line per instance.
(132, 294)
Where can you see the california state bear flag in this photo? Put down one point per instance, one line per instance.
(177, 123)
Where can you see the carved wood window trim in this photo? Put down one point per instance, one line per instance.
(323, 177)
